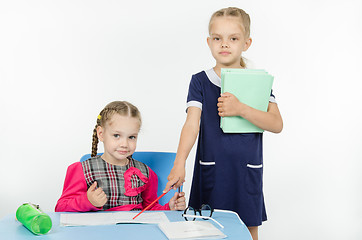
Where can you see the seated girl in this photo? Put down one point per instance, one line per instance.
(113, 181)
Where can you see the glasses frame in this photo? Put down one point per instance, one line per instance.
(203, 207)
(186, 216)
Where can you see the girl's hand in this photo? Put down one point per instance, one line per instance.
(176, 178)
(178, 201)
(228, 105)
(97, 197)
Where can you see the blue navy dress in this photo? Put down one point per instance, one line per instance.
(228, 168)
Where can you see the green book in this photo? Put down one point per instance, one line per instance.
(250, 86)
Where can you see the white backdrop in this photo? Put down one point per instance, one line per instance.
(61, 62)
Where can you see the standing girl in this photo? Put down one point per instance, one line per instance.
(228, 167)
(113, 181)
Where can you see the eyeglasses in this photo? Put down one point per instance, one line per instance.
(205, 212)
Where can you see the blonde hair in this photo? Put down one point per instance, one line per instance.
(122, 108)
(234, 12)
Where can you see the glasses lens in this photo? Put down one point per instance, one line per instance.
(189, 211)
(206, 210)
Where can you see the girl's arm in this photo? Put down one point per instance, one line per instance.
(149, 194)
(74, 197)
(177, 202)
(270, 121)
(188, 137)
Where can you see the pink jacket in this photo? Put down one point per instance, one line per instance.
(74, 196)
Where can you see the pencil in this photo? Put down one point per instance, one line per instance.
(163, 194)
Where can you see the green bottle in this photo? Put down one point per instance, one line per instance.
(34, 219)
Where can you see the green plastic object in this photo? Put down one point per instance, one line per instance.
(34, 218)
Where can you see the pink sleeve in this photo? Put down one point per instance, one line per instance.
(74, 197)
(150, 193)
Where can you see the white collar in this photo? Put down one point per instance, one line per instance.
(213, 77)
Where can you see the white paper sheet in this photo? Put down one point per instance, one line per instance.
(110, 218)
(191, 230)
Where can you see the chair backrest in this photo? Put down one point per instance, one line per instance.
(160, 162)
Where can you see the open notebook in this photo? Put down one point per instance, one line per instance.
(250, 86)
(110, 218)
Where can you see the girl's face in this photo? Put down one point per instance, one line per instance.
(119, 136)
(227, 41)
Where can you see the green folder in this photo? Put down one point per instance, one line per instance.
(250, 86)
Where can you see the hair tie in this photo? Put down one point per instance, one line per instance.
(99, 117)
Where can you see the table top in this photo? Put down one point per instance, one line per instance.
(12, 229)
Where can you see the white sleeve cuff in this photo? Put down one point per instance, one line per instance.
(272, 99)
(193, 104)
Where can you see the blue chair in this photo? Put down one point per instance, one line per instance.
(160, 162)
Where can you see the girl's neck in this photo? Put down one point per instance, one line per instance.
(110, 160)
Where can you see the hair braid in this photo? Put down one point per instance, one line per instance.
(94, 142)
